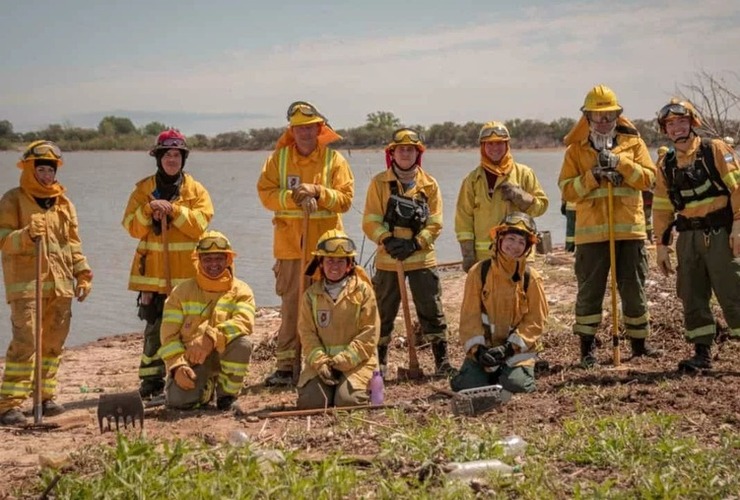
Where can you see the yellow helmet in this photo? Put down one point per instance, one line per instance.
(677, 108)
(601, 98)
(303, 113)
(335, 243)
(214, 242)
(493, 132)
(730, 141)
(406, 136)
(517, 222)
(41, 150)
(662, 151)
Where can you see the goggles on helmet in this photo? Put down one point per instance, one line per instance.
(602, 116)
(172, 142)
(403, 135)
(304, 107)
(42, 149)
(208, 243)
(497, 130)
(676, 108)
(335, 245)
(516, 218)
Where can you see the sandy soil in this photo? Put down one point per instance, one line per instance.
(707, 402)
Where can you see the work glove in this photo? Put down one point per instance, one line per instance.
(83, 285)
(198, 349)
(494, 356)
(309, 205)
(160, 208)
(608, 160)
(326, 375)
(304, 191)
(735, 238)
(401, 249)
(516, 195)
(37, 226)
(185, 378)
(467, 248)
(607, 174)
(663, 257)
(563, 208)
(342, 361)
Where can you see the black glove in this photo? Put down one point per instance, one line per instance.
(494, 356)
(563, 209)
(401, 249)
(391, 242)
(607, 174)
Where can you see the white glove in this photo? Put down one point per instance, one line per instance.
(663, 258)
(735, 238)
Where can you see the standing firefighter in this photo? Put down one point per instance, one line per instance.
(339, 328)
(204, 330)
(503, 312)
(302, 178)
(36, 211)
(698, 192)
(604, 148)
(495, 188)
(403, 215)
(167, 212)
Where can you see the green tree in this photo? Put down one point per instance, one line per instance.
(153, 128)
(115, 125)
(6, 130)
(384, 120)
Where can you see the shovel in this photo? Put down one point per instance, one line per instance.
(122, 408)
(414, 371)
(37, 403)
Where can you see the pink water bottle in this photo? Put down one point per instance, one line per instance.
(376, 388)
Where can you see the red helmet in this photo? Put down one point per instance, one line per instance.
(170, 139)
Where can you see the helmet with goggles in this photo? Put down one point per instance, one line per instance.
(519, 223)
(494, 132)
(41, 150)
(303, 113)
(335, 243)
(677, 109)
(601, 98)
(213, 242)
(170, 139)
(406, 136)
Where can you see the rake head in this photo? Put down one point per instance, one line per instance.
(123, 408)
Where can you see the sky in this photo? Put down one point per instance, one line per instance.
(217, 66)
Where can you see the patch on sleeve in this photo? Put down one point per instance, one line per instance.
(729, 158)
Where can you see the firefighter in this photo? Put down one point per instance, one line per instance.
(605, 148)
(205, 328)
(302, 176)
(698, 192)
(496, 187)
(503, 312)
(339, 328)
(403, 215)
(39, 211)
(169, 206)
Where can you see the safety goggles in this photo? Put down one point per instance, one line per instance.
(335, 245)
(172, 142)
(306, 108)
(407, 135)
(208, 243)
(42, 149)
(602, 116)
(515, 218)
(676, 108)
(498, 131)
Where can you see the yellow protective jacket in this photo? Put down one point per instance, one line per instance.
(284, 170)
(63, 249)
(727, 164)
(190, 312)
(513, 314)
(477, 211)
(378, 193)
(579, 185)
(350, 324)
(192, 211)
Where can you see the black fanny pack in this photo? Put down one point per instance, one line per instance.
(401, 211)
(713, 220)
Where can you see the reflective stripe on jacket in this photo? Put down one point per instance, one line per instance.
(192, 212)
(189, 310)
(477, 211)
(63, 259)
(579, 185)
(378, 193)
(285, 170)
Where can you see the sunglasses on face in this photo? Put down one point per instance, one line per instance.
(42, 149)
(407, 135)
(335, 245)
(209, 243)
(498, 131)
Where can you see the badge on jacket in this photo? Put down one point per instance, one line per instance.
(324, 317)
(294, 181)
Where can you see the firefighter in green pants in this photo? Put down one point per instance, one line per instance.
(698, 191)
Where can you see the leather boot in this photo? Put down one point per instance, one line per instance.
(701, 360)
(588, 351)
(441, 363)
(639, 348)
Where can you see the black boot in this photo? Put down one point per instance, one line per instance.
(383, 359)
(701, 360)
(588, 351)
(151, 387)
(441, 363)
(639, 348)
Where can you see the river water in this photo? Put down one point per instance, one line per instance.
(99, 184)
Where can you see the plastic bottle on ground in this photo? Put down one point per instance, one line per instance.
(514, 446)
(478, 469)
(376, 388)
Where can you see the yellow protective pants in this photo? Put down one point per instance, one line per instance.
(287, 283)
(19, 360)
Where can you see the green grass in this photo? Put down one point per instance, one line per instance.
(635, 456)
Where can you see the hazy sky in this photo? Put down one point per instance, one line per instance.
(215, 66)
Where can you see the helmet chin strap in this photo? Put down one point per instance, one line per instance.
(686, 137)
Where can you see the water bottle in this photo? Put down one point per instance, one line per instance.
(478, 469)
(514, 446)
(376, 388)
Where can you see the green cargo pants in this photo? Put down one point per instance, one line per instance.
(512, 378)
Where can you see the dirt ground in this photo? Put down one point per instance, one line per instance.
(707, 402)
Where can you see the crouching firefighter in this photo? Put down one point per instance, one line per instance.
(403, 215)
(503, 312)
(205, 329)
(338, 326)
(698, 191)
